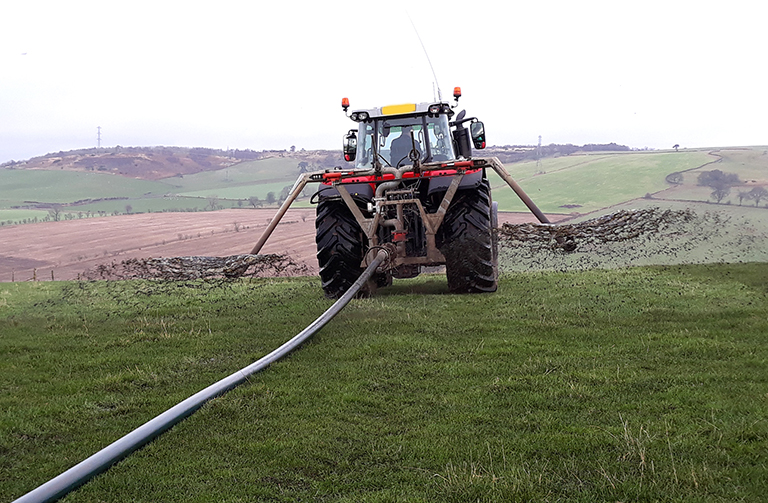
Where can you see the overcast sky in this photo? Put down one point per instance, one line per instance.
(268, 75)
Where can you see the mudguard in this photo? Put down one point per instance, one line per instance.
(362, 190)
(441, 183)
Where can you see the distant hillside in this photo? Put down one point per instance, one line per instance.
(519, 153)
(157, 163)
(566, 179)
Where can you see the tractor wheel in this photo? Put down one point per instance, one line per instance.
(468, 242)
(340, 248)
(495, 237)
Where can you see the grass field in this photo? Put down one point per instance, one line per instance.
(68, 186)
(10, 216)
(639, 384)
(590, 182)
(231, 186)
(247, 173)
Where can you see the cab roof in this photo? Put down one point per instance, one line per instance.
(402, 109)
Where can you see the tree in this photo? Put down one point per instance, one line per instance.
(757, 194)
(717, 178)
(255, 201)
(720, 192)
(720, 182)
(271, 198)
(128, 208)
(213, 202)
(55, 213)
(303, 165)
(676, 146)
(743, 195)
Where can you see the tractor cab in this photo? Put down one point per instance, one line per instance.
(410, 134)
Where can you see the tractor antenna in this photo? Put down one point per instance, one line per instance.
(436, 83)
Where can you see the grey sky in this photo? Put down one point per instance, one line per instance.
(268, 75)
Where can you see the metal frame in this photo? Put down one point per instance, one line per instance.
(432, 221)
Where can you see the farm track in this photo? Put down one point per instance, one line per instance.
(67, 249)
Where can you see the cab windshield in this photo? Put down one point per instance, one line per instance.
(398, 140)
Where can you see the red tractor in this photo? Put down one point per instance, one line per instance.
(415, 190)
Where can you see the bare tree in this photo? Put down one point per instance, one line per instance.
(720, 193)
(743, 195)
(55, 213)
(757, 194)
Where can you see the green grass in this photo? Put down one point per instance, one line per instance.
(238, 182)
(242, 191)
(69, 186)
(270, 170)
(145, 205)
(749, 163)
(592, 182)
(17, 216)
(641, 384)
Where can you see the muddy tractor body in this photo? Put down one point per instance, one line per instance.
(416, 191)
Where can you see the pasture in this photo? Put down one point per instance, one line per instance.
(640, 384)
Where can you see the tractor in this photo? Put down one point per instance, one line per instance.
(416, 191)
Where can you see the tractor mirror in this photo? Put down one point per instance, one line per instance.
(477, 131)
(350, 145)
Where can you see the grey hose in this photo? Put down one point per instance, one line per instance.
(81, 473)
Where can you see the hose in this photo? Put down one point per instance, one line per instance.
(81, 473)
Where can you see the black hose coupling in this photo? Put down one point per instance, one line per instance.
(388, 263)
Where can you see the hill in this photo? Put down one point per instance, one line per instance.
(102, 182)
(123, 180)
(157, 163)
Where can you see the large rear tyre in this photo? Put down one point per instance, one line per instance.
(340, 247)
(468, 242)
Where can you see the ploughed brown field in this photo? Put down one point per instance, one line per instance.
(62, 250)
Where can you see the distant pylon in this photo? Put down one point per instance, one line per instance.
(538, 156)
(98, 137)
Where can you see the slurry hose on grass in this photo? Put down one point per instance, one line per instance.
(81, 473)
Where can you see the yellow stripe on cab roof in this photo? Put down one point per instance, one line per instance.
(398, 109)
